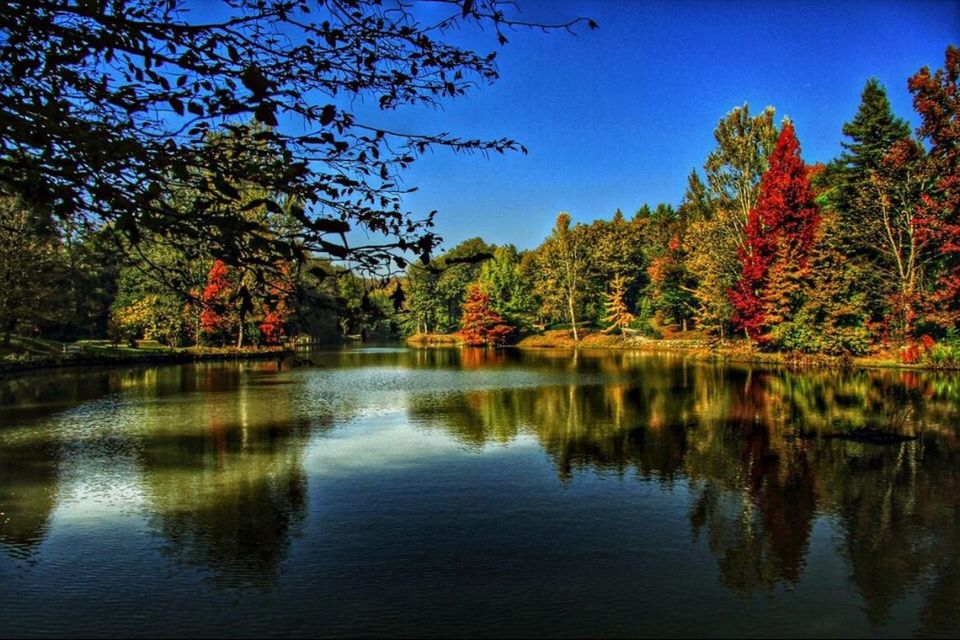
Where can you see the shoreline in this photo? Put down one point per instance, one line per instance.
(697, 349)
(148, 358)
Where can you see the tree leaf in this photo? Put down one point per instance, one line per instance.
(328, 114)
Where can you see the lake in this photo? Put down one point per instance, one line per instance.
(396, 492)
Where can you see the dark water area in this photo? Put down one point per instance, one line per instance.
(396, 492)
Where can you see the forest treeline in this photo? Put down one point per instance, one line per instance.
(838, 258)
(854, 255)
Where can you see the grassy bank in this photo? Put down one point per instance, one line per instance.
(27, 354)
(703, 348)
(435, 340)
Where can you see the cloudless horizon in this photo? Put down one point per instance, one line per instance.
(618, 116)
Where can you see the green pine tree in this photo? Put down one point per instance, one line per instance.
(872, 131)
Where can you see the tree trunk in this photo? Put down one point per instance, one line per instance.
(573, 319)
(240, 334)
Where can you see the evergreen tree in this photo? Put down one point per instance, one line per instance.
(614, 247)
(850, 188)
(697, 204)
(872, 131)
(834, 317)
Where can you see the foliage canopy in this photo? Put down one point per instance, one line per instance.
(107, 107)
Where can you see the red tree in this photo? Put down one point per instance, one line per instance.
(779, 236)
(936, 97)
(480, 325)
(216, 317)
(277, 310)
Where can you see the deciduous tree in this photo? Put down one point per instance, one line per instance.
(733, 171)
(735, 167)
(898, 231)
(780, 234)
(30, 269)
(219, 318)
(109, 105)
(936, 97)
(563, 269)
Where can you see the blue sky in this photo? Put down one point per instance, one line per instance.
(617, 117)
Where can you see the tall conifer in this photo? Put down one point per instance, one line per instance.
(873, 130)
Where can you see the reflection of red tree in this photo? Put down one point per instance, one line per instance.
(776, 473)
(784, 489)
(752, 399)
(481, 358)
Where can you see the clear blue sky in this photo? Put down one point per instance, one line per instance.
(617, 117)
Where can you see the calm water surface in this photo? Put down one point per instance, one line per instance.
(396, 492)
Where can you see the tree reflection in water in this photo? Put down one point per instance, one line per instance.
(765, 453)
(227, 486)
(761, 455)
(28, 494)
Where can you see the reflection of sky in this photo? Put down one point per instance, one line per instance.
(98, 472)
(388, 441)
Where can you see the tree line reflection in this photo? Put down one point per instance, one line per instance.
(223, 478)
(763, 453)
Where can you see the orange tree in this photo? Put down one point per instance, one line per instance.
(480, 325)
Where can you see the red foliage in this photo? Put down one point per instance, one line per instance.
(277, 315)
(272, 328)
(215, 298)
(910, 354)
(480, 325)
(913, 351)
(936, 97)
(780, 233)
